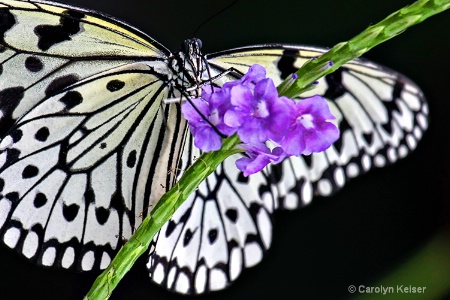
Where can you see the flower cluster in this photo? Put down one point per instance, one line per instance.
(251, 108)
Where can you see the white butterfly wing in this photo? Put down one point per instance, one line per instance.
(224, 227)
(78, 169)
(45, 47)
(82, 122)
(380, 113)
(381, 116)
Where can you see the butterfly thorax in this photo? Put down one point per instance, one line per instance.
(189, 64)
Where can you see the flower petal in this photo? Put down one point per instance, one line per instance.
(206, 139)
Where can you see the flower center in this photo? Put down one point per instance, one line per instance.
(261, 110)
(214, 117)
(306, 120)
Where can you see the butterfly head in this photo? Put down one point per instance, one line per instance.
(192, 61)
(192, 46)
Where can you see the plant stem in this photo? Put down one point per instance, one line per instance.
(374, 35)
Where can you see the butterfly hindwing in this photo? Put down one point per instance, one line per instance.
(222, 228)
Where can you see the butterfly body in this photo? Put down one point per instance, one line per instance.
(89, 146)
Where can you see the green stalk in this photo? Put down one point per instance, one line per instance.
(341, 53)
(207, 163)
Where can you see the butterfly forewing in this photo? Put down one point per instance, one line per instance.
(82, 121)
(58, 30)
(89, 147)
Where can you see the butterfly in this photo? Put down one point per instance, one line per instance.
(88, 145)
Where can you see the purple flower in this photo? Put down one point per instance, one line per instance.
(310, 129)
(258, 156)
(258, 114)
(212, 107)
(255, 74)
(251, 108)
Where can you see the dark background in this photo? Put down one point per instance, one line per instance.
(356, 237)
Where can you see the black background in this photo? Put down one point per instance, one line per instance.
(356, 237)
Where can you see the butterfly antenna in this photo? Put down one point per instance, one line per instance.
(205, 22)
(215, 15)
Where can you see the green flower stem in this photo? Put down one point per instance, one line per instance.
(376, 34)
(207, 163)
(139, 242)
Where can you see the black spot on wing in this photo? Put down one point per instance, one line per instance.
(9, 100)
(170, 228)
(185, 216)
(392, 106)
(16, 135)
(30, 171)
(115, 85)
(42, 134)
(187, 237)
(254, 208)
(212, 236)
(33, 64)
(13, 197)
(131, 159)
(308, 160)
(89, 196)
(286, 63)
(242, 179)
(71, 99)
(70, 212)
(398, 89)
(102, 215)
(387, 127)
(51, 35)
(335, 87)
(232, 214)
(368, 137)
(344, 126)
(276, 174)
(338, 145)
(117, 201)
(40, 200)
(7, 21)
(60, 83)
(12, 155)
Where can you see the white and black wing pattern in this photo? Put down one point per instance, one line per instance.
(226, 226)
(381, 115)
(82, 122)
